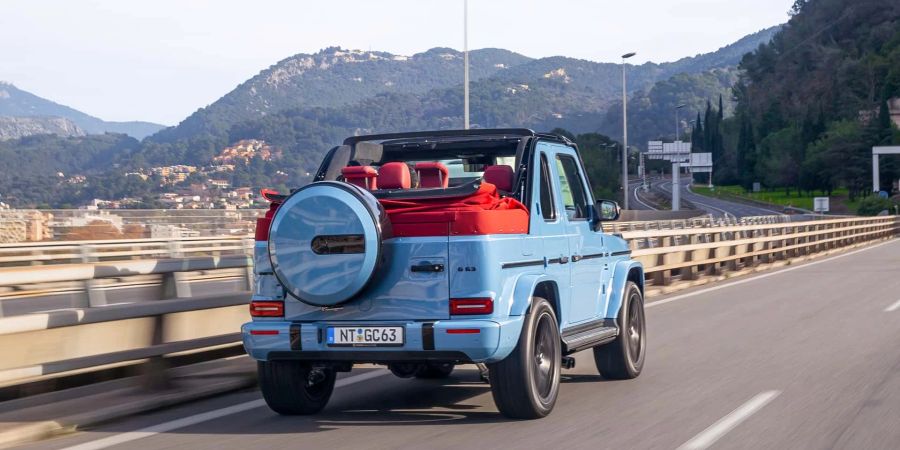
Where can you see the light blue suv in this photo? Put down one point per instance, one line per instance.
(425, 250)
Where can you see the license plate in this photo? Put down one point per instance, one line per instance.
(365, 336)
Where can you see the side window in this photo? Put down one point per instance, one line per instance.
(572, 188)
(548, 209)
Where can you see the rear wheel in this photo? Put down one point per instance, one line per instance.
(294, 388)
(623, 358)
(434, 370)
(525, 384)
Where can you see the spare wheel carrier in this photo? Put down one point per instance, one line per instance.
(325, 242)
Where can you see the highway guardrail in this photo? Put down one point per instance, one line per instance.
(47, 344)
(691, 252)
(706, 221)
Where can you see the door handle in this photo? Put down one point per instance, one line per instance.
(576, 258)
(434, 268)
(563, 259)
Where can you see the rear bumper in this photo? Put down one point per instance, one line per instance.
(424, 341)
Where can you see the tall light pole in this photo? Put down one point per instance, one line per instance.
(677, 125)
(466, 64)
(676, 167)
(625, 133)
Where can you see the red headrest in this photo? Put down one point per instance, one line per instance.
(394, 175)
(500, 176)
(362, 176)
(432, 174)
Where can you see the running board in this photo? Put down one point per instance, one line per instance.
(588, 335)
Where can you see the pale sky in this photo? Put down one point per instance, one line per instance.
(161, 60)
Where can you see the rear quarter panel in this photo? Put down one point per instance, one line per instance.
(622, 265)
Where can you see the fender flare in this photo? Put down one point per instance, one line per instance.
(522, 292)
(620, 279)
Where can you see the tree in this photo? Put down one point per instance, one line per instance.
(600, 163)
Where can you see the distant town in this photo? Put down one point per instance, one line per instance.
(198, 202)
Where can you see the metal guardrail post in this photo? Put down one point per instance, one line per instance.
(248, 251)
(87, 253)
(175, 249)
(174, 285)
(154, 371)
(93, 295)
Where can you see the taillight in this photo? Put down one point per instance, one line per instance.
(471, 306)
(267, 309)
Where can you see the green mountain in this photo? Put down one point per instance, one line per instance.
(335, 77)
(15, 102)
(652, 112)
(305, 104)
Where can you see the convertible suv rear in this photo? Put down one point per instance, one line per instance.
(426, 250)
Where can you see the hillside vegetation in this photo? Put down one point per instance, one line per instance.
(813, 101)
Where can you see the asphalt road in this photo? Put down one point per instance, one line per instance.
(714, 206)
(634, 201)
(802, 357)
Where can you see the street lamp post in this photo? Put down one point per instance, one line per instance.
(466, 64)
(625, 133)
(676, 167)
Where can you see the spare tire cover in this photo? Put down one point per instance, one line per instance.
(325, 242)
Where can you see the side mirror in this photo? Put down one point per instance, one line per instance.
(606, 210)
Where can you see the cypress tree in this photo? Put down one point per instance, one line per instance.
(746, 154)
(707, 132)
(721, 109)
(697, 136)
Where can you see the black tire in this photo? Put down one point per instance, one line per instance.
(434, 370)
(525, 384)
(623, 358)
(286, 387)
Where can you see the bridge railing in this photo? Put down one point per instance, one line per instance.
(65, 252)
(98, 335)
(692, 252)
(695, 222)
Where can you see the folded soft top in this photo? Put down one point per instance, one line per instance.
(482, 212)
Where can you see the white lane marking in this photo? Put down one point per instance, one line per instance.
(893, 307)
(712, 434)
(639, 199)
(746, 206)
(759, 277)
(202, 417)
(724, 212)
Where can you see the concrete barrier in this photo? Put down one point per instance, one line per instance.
(38, 345)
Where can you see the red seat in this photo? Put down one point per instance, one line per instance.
(432, 175)
(501, 176)
(363, 176)
(483, 212)
(394, 175)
